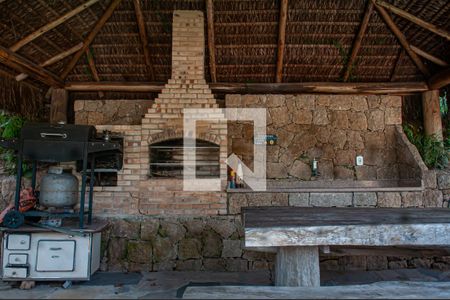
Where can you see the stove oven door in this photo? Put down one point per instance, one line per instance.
(55, 256)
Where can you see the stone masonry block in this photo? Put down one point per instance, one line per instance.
(389, 199)
(365, 199)
(299, 199)
(232, 248)
(331, 199)
(412, 199)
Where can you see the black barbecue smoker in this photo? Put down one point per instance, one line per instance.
(53, 143)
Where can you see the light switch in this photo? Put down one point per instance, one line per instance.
(359, 160)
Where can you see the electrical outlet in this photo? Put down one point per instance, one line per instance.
(359, 160)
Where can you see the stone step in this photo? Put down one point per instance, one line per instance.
(379, 290)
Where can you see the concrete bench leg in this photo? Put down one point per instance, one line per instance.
(297, 266)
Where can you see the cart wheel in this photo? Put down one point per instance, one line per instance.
(13, 219)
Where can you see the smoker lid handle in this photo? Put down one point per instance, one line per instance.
(58, 135)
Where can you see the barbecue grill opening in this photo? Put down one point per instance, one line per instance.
(166, 159)
(107, 163)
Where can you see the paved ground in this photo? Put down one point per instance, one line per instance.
(173, 284)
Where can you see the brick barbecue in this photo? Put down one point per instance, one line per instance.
(135, 191)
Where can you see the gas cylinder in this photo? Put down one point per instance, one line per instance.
(59, 188)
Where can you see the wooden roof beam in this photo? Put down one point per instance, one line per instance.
(53, 59)
(55, 13)
(143, 35)
(429, 56)
(397, 64)
(88, 40)
(402, 39)
(264, 88)
(21, 64)
(357, 43)
(281, 40)
(91, 63)
(51, 25)
(414, 19)
(439, 80)
(211, 39)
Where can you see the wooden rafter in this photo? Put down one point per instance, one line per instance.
(438, 14)
(91, 63)
(439, 80)
(402, 39)
(53, 59)
(51, 25)
(415, 20)
(264, 88)
(281, 40)
(21, 64)
(44, 3)
(211, 39)
(357, 43)
(397, 64)
(429, 56)
(19, 21)
(87, 42)
(30, 10)
(143, 35)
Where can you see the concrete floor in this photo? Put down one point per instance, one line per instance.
(166, 285)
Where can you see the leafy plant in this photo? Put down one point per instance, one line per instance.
(443, 104)
(435, 153)
(10, 126)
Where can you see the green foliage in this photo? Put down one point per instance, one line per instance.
(443, 104)
(435, 153)
(10, 126)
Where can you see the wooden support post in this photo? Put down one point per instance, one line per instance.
(87, 42)
(432, 113)
(51, 25)
(211, 41)
(358, 40)
(415, 20)
(297, 266)
(402, 39)
(59, 104)
(281, 40)
(143, 36)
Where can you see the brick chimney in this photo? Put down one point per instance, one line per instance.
(187, 88)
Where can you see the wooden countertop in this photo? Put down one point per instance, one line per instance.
(96, 226)
(255, 217)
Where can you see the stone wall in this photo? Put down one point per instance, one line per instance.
(7, 190)
(334, 129)
(111, 112)
(413, 198)
(215, 244)
(184, 244)
(443, 184)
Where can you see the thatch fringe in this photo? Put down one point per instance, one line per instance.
(21, 98)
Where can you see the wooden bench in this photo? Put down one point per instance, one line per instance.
(296, 233)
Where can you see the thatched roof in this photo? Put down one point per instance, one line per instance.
(319, 37)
